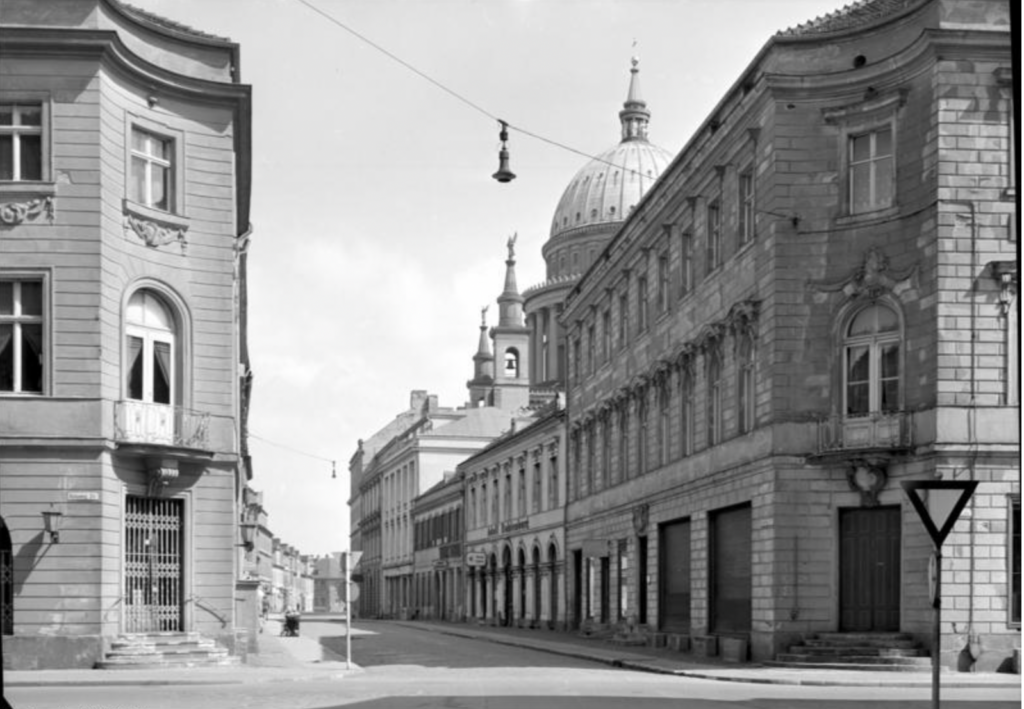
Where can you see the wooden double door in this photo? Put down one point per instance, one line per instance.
(869, 559)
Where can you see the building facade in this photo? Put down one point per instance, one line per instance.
(365, 502)
(514, 499)
(438, 568)
(124, 206)
(815, 303)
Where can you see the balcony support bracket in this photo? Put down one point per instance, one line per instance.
(161, 472)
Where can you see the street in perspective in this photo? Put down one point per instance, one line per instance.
(425, 664)
(518, 353)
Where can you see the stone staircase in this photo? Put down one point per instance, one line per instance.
(872, 652)
(150, 651)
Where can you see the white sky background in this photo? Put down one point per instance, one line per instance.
(379, 233)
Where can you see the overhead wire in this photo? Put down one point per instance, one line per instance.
(332, 461)
(330, 18)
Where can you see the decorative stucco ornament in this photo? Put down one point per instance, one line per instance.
(14, 213)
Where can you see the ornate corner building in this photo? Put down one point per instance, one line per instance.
(816, 301)
(124, 207)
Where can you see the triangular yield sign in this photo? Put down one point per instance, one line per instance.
(946, 500)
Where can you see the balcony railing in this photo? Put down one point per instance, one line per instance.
(876, 431)
(160, 424)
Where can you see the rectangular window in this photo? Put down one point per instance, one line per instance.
(641, 303)
(535, 504)
(606, 451)
(577, 356)
(746, 207)
(591, 458)
(685, 414)
(507, 492)
(21, 336)
(714, 400)
(641, 443)
(522, 492)
(871, 170)
(606, 335)
(152, 170)
(624, 443)
(21, 142)
(663, 284)
(714, 236)
(623, 319)
(591, 350)
(686, 267)
(553, 483)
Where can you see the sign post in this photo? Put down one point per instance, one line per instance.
(945, 501)
(349, 559)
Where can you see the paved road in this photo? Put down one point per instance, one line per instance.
(406, 668)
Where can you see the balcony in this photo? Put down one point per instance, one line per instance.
(880, 433)
(143, 424)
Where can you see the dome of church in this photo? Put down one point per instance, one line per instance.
(611, 184)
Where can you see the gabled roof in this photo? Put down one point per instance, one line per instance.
(857, 15)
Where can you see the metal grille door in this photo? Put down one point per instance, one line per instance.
(6, 582)
(153, 564)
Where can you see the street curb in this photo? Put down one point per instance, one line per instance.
(642, 666)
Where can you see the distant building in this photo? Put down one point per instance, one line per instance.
(328, 575)
(514, 499)
(124, 220)
(816, 302)
(438, 571)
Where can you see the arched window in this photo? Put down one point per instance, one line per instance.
(512, 363)
(871, 352)
(151, 341)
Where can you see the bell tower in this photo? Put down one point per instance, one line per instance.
(511, 340)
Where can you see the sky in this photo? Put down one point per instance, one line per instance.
(378, 231)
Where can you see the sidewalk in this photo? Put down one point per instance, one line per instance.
(665, 661)
(279, 660)
(304, 659)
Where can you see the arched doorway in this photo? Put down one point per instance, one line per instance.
(553, 587)
(522, 585)
(506, 618)
(6, 581)
(536, 587)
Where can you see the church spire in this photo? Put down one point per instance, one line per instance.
(510, 303)
(483, 367)
(634, 115)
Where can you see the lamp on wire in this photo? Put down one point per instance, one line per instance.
(504, 174)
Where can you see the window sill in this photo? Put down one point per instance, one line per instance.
(868, 218)
(45, 189)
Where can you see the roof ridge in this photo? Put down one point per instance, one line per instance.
(858, 14)
(164, 22)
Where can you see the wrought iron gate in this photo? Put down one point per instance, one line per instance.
(153, 564)
(6, 581)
